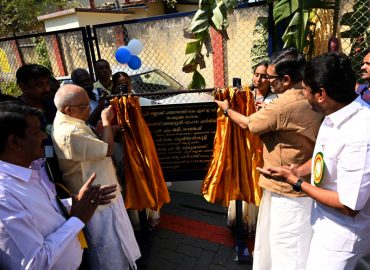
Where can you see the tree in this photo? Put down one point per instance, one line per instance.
(214, 13)
(211, 13)
(358, 32)
(21, 15)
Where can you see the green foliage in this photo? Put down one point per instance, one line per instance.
(299, 32)
(358, 32)
(211, 13)
(198, 81)
(259, 50)
(21, 15)
(10, 88)
(42, 52)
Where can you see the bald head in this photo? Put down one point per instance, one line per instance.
(69, 95)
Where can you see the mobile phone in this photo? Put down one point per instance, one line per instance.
(264, 171)
(122, 89)
(237, 82)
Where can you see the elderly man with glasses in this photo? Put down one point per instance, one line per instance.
(110, 237)
(288, 128)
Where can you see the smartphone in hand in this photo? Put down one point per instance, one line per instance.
(264, 171)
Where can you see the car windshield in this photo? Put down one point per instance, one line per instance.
(153, 81)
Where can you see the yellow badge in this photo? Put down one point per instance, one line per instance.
(318, 168)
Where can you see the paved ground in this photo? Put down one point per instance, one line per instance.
(192, 234)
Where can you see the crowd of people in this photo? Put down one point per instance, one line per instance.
(315, 128)
(49, 135)
(315, 209)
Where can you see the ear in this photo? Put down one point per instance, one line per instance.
(287, 81)
(13, 143)
(67, 110)
(321, 95)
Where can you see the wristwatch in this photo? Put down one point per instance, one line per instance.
(298, 184)
(225, 112)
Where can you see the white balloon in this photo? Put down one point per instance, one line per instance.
(135, 46)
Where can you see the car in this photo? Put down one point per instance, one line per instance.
(156, 81)
(153, 80)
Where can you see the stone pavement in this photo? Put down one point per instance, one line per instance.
(192, 234)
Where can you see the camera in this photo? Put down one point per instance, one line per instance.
(122, 89)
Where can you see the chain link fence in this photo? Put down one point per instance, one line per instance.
(61, 52)
(164, 49)
(354, 30)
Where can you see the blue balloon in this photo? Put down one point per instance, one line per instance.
(135, 62)
(123, 55)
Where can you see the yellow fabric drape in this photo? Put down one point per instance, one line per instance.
(232, 174)
(145, 184)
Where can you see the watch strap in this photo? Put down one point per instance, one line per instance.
(298, 185)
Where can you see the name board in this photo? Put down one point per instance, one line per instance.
(183, 135)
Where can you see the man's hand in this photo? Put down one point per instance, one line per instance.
(106, 194)
(285, 173)
(89, 198)
(259, 105)
(223, 104)
(84, 203)
(107, 115)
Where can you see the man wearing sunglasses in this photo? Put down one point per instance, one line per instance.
(288, 128)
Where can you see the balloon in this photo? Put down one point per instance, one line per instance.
(135, 62)
(123, 55)
(135, 46)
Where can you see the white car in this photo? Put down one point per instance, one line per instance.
(158, 82)
(150, 80)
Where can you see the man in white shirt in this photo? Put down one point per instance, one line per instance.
(103, 74)
(112, 243)
(340, 184)
(34, 234)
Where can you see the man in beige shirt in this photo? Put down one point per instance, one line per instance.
(288, 128)
(110, 236)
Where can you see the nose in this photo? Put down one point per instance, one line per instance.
(44, 135)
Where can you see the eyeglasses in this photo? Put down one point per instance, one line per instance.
(79, 106)
(270, 77)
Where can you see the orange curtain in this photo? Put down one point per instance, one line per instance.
(145, 184)
(232, 174)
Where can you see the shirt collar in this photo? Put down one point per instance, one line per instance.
(68, 118)
(338, 117)
(295, 88)
(16, 171)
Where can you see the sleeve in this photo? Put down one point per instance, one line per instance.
(354, 175)
(67, 202)
(84, 147)
(264, 120)
(22, 246)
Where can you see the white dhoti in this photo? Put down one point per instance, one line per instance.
(324, 257)
(283, 233)
(111, 240)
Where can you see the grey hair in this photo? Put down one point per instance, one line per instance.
(65, 95)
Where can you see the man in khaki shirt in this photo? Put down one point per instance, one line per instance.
(288, 128)
(112, 244)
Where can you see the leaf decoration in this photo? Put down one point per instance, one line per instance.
(198, 81)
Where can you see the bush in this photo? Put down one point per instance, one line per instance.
(10, 88)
